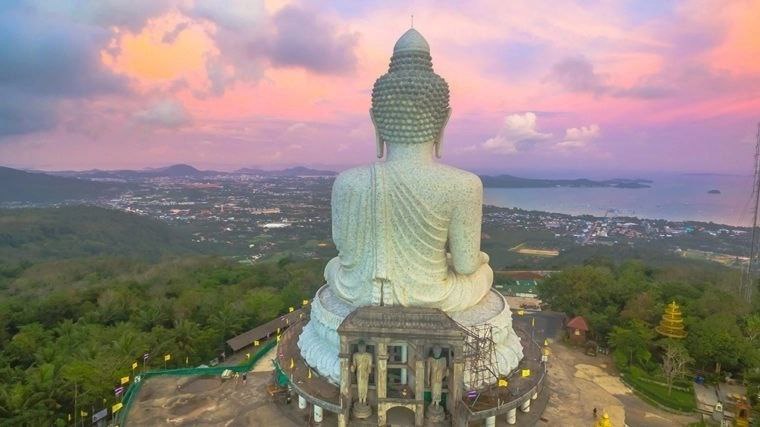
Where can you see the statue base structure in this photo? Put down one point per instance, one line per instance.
(362, 410)
(320, 344)
(401, 341)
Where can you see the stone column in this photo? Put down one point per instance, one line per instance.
(419, 378)
(525, 407)
(301, 402)
(512, 416)
(456, 379)
(381, 375)
(491, 421)
(317, 414)
(345, 382)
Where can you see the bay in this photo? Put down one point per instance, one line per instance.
(676, 197)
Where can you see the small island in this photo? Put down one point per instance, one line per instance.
(713, 191)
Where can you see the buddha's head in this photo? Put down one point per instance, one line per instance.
(410, 103)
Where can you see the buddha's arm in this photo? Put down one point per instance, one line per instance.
(338, 196)
(464, 231)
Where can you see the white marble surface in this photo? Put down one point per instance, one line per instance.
(408, 228)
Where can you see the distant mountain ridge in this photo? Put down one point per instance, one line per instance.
(20, 186)
(184, 170)
(510, 181)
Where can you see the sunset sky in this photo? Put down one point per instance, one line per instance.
(569, 87)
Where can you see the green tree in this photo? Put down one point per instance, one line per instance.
(716, 341)
(632, 342)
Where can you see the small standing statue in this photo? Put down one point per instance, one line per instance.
(436, 371)
(362, 364)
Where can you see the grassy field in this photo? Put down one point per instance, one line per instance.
(677, 399)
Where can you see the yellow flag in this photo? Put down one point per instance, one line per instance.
(82, 413)
(526, 372)
(291, 309)
(167, 357)
(248, 355)
(134, 365)
(278, 338)
(256, 343)
(503, 382)
(309, 372)
(305, 302)
(292, 363)
(546, 341)
(115, 408)
(520, 312)
(124, 380)
(278, 331)
(187, 360)
(69, 417)
(532, 321)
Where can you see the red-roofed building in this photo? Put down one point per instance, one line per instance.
(576, 330)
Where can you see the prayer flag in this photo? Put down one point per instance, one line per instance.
(69, 417)
(305, 302)
(248, 355)
(187, 360)
(292, 363)
(134, 365)
(145, 357)
(117, 391)
(278, 338)
(124, 380)
(82, 413)
(309, 372)
(503, 382)
(532, 321)
(526, 372)
(167, 357)
(256, 343)
(520, 312)
(291, 309)
(115, 408)
(546, 341)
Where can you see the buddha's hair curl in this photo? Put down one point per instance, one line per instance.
(410, 103)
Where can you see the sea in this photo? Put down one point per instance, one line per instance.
(674, 197)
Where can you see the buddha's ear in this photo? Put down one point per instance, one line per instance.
(439, 140)
(378, 139)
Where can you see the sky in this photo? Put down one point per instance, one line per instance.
(537, 87)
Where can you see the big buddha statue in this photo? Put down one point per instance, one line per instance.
(407, 228)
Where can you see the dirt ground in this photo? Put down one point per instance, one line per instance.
(580, 383)
(208, 402)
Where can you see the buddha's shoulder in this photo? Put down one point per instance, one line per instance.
(358, 176)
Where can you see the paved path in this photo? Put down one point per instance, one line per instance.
(580, 383)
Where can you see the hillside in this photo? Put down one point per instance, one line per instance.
(82, 231)
(20, 186)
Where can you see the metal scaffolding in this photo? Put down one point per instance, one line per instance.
(480, 356)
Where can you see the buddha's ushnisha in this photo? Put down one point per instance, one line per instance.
(407, 229)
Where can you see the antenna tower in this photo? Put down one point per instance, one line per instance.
(749, 275)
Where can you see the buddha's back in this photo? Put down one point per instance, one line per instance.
(391, 224)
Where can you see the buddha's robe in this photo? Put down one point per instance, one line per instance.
(392, 225)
